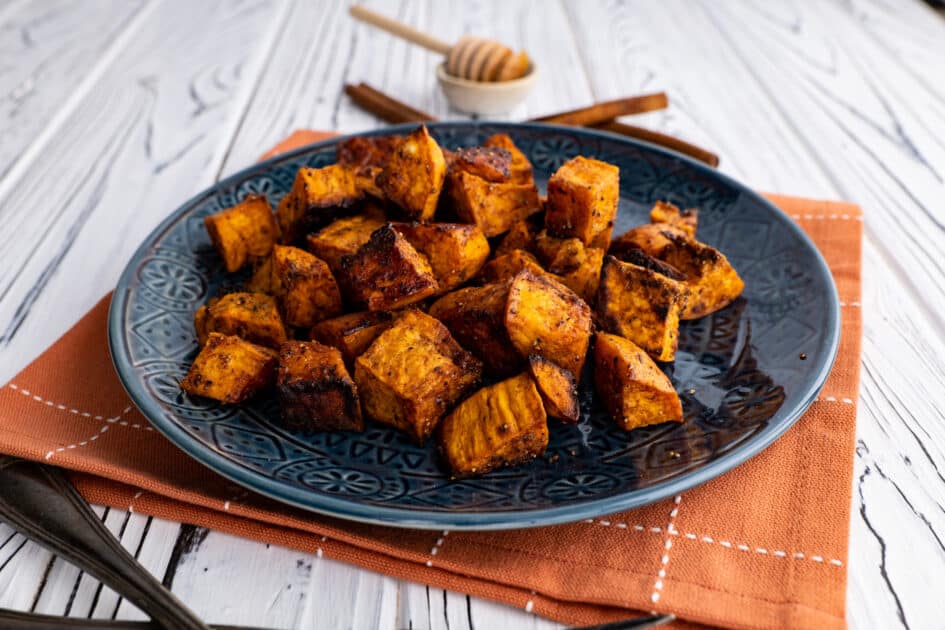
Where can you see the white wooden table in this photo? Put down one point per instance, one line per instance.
(113, 112)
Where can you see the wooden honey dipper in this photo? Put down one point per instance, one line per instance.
(471, 58)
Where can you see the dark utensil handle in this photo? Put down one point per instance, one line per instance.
(16, 620)
(651, 621)
(40, 502)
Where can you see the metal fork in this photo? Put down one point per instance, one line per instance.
(40, 502)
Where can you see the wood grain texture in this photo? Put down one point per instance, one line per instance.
(824, 99)
(47, 50)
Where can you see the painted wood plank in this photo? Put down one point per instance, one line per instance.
(485, 614)
(46, 50)
(148, 135)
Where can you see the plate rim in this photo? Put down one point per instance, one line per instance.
(484, 520)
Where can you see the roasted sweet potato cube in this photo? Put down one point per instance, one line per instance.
(713, 282)
(252, 316)
(352, 333)
(493, 164)
(641, 305)
(631, 386)
(244, 232)
(305, 286)
(520, 169)
(686, 220)
(230, 369)
(363, 151)
(261, 279)
(413, 176)
(456, 251)
(500, 425)
(546, 318)
(507, 266)
(558, 389)
(345, 236)
(520, 236)
(494, 207)
(642, 259)
(583, 195)
(315, 198)
(577, 265)
(413, 373)
(315, 391)
(476, 318)
(387, 273)
(652, 238)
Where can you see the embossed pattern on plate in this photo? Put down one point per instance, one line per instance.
(738, 371)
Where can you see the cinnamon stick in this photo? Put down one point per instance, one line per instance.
(661, 139)
(383, 106)
(608, 110)
(394, 111)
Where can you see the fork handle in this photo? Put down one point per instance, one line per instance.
(40, 502)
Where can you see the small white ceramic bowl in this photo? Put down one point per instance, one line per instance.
(486, 98)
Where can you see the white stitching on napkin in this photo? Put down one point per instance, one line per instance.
(437, 546)
(672, 531)
(667, 545)
(85, 414)
(78, 444)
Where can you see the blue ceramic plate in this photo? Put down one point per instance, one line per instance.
(739, 372)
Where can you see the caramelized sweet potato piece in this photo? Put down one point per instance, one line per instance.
(363, 151)
(252, 316)
(494, 207)
(507, 266)
(713, 282)
(229, 369)
(500, 425)
(546, 318)
(492, 164)
(413, 176)
(387, 273)
(244, 232)
(642, 306)
(577, 265)
(345, 236)
(558, 389)
(352, 333)
(413, 373)
(315, 391)
(520, 236)
(521, 168)
(631, 386)
(456, 251)
(316, 195)
(366, 156)
(583, 195)
(305, 286)
(642, 259)
(476, 318)
(261, 279)
(665, 212)
(652, 238)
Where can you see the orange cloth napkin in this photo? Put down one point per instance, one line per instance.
(764, 545)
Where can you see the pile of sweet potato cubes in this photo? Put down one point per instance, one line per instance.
(436, 292)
